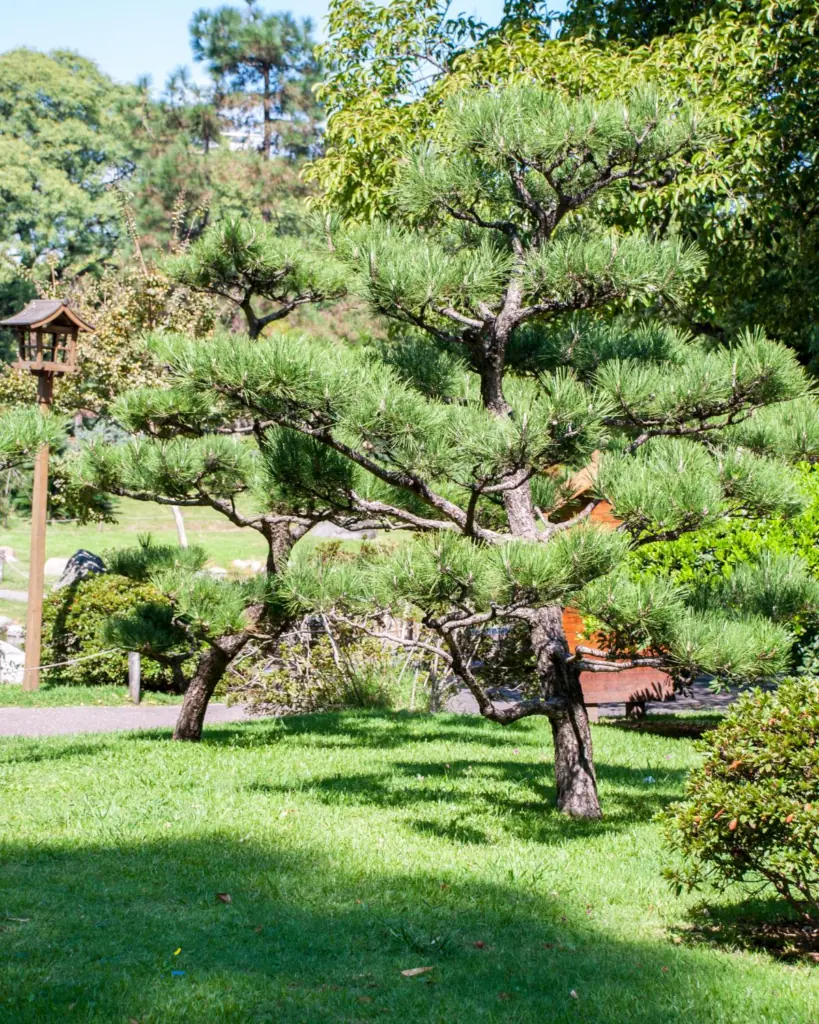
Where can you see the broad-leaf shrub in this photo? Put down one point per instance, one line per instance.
(751, 809)
(75, 621)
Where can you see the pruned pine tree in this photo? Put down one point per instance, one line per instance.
(244, 261)
(197, 449)
(23, 431)
(466, 432)
(206, 617)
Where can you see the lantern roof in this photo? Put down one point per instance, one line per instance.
(40, 313)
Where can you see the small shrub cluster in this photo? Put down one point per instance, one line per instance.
(312, 669)
(751, 809)
(75, 625)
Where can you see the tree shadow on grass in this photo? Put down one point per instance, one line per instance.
(102, 933)
(520, 796)
(379, 729)
(762, 922)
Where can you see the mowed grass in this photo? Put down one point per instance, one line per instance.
(223, 541)
(352, 847)
(49, 696)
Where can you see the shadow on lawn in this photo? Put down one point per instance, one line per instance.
(465, 790)
(306, 938)
(379, 729)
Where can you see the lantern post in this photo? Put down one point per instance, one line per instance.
(47, 344)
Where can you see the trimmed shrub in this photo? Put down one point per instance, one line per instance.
(751, 809)
(75, 619)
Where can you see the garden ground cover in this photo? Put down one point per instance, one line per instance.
(348, 848)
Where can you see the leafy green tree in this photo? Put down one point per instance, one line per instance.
(267, 59)
(245, 260)
(747, 199)
(65, 131)
(503, 377)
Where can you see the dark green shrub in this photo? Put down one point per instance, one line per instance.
(751, 809)
(75, 621)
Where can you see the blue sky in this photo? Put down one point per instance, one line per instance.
(148, 37)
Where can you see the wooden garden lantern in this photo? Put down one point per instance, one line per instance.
(46, 332)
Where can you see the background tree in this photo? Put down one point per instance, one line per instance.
(242, 261)
(464, 429)
(66, 130)
(747, 199)
(267, 61)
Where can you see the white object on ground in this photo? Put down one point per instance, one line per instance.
(15, 630)
(247, 564)
(55, 566)
(12, 662)
(7, 554)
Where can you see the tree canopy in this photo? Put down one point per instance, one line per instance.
(528, 345)
(265, 61)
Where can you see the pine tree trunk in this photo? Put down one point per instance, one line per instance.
(560, 682)
(212, 666)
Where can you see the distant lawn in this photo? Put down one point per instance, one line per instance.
(221, 539)
(349, 848)
(64, 696)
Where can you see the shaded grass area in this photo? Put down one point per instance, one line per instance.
(680, 724)
(352, 847)
(49, 696)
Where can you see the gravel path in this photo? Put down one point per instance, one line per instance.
(60, 721)
(13, 595)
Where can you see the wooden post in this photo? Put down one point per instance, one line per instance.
(134, 676)
(39, 506)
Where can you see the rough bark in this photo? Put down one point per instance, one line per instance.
(560, 685)
(212, 666)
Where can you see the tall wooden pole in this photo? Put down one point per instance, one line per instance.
(36, 578)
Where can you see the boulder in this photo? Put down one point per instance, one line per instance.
(12, 662)
(81, 564)
(247, 565)
(55, 566)
(7, 554)
(216, 571)
(333, 532)
(18, 632)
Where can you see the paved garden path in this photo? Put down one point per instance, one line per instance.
(13, 595)
(58, 721)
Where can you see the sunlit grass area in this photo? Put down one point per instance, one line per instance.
(289, 871)
(223, 541)
(49, 696)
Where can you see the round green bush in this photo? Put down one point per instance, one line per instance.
(751, 809)
(74, 623)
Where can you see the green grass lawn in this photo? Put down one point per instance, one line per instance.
(353, 847)
(49, 696)
(221, 539)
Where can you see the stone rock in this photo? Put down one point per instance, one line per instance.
(12, 662)
(81, 564)
(7, 554)
(18, 632)
(216, 571)
(247, 565)
(333, 532)
(55, 566)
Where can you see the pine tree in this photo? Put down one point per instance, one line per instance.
(523, 351)
(245, 260)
